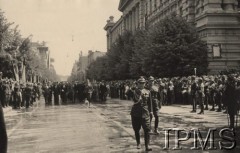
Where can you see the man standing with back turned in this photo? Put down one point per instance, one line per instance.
(140, 113)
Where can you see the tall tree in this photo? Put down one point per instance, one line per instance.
(174, 49)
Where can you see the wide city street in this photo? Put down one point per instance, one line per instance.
(101, 128)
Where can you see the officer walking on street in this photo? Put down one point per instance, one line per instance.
(140, 113)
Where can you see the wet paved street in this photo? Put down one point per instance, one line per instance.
(101, 128)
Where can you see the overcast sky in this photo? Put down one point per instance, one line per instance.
(68, 26)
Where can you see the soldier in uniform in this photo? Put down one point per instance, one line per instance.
(154, 98)
(193, 94)
(200, 95)
(140, 113)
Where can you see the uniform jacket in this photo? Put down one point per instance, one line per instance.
(141, 105)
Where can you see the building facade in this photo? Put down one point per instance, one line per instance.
(217, 22)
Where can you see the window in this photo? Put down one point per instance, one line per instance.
(216, 51)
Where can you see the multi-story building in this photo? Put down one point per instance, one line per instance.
(217, 22)
(92, 56)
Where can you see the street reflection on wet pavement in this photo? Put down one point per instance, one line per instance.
(101, 128)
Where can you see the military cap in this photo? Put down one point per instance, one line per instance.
(141, 80)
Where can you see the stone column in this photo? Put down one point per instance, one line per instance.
(133, 19)
(137, 16)
(142, 13)
(127, 22)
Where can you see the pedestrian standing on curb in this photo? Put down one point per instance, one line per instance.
(3, 133)
(140, 113)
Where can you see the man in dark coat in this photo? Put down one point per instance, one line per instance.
(230, 94)
(3, 133)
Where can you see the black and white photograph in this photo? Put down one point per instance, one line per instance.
(119, 76)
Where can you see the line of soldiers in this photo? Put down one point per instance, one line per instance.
(75, 92)
(202, 91)
(18, 95)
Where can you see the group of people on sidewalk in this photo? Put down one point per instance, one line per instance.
(148, 97)
(17, 95)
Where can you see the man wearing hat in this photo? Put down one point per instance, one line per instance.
(154, 96)
(140, 113)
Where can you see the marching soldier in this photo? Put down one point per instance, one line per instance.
(154, 96)
(140, 113)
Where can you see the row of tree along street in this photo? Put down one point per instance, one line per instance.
(19, 61)
(170, 48)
